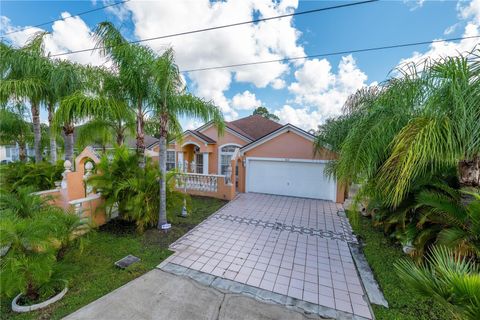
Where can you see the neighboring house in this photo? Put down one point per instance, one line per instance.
(272, 158)
(10, 153)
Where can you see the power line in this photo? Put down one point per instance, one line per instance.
(226, 26)
(62, 19)
(335, 53)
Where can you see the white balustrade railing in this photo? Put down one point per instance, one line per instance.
(199, 182)
(78, 207)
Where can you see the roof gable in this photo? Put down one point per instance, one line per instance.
(286, 128)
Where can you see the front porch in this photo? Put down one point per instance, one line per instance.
(197, 170)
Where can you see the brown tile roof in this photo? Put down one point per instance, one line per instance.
(255, 126)
(202, 136)
(205, 138)
(238, 130)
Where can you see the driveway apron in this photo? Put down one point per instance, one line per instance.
(295, 247)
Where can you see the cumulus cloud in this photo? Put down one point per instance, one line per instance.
(270, 40)
(321, 92)
(470, 17)
(67, 35)
(300, 117)
(245, 101)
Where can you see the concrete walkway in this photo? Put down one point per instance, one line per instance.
(161, 295)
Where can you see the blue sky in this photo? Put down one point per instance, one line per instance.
(301, 93)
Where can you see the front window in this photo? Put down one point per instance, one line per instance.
(226, 154)
(199, 162)
(170, 160)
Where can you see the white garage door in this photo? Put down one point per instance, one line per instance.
(290, 178)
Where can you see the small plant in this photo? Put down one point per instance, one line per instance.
(447, 277)
(36, 236)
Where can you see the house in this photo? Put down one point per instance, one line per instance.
(268, 158)
(11, 153)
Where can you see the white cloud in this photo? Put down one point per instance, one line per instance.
(192, 124)
(470, 14)
(451, 29)
(472, 10)
(414, 4)
(278, 84)
(67, 35)
(323, 91)
(274, 39)
(245, 101)
(300, 117)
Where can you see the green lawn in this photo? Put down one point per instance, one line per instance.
(93, 272)
(404, 303)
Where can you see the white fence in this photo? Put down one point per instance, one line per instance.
(197, 181)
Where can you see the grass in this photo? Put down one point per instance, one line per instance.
(404, 303)
(92, 269)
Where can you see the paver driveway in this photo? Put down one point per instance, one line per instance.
(292, 246)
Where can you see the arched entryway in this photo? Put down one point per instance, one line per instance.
(193, 159)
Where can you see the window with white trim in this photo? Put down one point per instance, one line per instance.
(170, 160)
(226, 154)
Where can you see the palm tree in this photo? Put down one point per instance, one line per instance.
(452, 280)
(22, 203)
(458, 223)
(113, 128)
(63, 80)
(80, 101)
(419, 123)
(171, 101)
(23, 78)
(132, 63)
(15, 130)
(443, 133)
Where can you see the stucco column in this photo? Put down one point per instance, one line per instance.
(180, 161)
(205, 163)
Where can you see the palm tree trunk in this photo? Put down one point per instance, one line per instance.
(37, 134)
(68, 130)
(22, 151)
(469, 172)
(53, 141)
(120, 138)
(140, 136)
(162, 159)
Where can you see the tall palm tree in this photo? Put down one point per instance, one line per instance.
(23, 78)
(132, 63)
(111, 129)
(171, 101)
(99, 101)
(62, 81)
(80, 100)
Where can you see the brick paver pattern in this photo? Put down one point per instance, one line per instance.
(306, 266)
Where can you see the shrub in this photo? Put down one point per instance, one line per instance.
(448, 278)
(36, 176)
(36, 236)
(133, 190)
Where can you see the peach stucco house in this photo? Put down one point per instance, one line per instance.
(254, 154)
